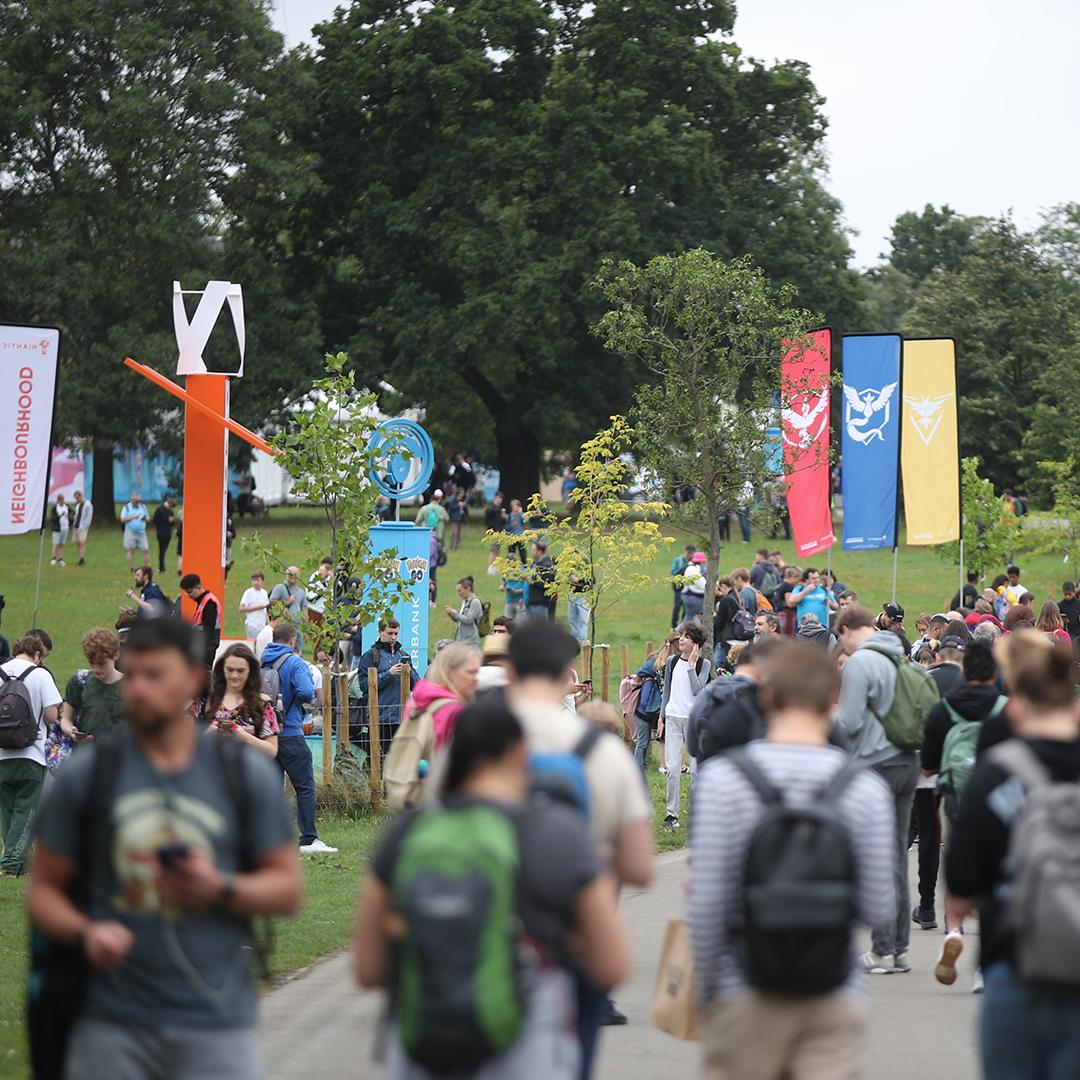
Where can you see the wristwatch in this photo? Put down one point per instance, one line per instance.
(228, 891)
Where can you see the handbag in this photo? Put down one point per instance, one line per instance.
(675, 1006)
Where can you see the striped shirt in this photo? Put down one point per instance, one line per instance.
(726, 809)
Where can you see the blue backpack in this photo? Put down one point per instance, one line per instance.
(650, 701)
(561, 777)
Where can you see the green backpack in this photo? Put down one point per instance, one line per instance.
(459, 990)
(916, 695)
(958, 752)
(483, 627)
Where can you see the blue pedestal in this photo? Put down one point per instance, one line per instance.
(413, 547)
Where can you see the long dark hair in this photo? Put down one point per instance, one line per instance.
(252, 693)
(486, 731)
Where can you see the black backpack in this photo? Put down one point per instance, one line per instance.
(731, 717)
(792, 933)
(18, 723)
(59, 974)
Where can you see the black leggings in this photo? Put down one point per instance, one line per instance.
(926, 818)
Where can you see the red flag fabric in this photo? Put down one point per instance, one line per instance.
(805, 414)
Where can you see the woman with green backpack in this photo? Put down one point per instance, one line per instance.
(476, 915)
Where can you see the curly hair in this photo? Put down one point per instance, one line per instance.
(100, 644)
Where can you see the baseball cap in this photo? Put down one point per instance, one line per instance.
(940, 617)
(953, 642)
(894, 611)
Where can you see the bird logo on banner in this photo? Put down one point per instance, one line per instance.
(926, 414)
(861, 406)
(799, 418)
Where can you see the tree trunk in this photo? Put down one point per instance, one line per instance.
(103, 498)
(519, 461)
(711, 571)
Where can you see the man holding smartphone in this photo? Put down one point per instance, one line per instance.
(393, 665)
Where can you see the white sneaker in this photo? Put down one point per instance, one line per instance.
(901, 962)
(62, 563)
(977, 982)
(317, 847)
(873, 964)
(951, 948)
(52, 562)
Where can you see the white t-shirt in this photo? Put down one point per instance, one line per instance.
(681, 699)
(262, 639)
(316, 601)
(43, 693)
(254, 621)
(616, 789)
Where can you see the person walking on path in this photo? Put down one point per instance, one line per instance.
(296, 690)
(27, 694)
(157, 903)
(686, 674)
(468, 616)
(1008, 849)
(81, 520)
(164, 521)
(788, 1018)
(867, 694)
(134, 518)
(60, 524)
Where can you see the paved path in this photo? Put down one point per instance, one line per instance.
(319, 1025)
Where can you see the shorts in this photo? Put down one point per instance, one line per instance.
(136, 540)
(60, 537)
(81, 535)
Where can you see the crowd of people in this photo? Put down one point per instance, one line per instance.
(820, 743)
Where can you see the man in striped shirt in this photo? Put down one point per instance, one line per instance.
(747, 1032)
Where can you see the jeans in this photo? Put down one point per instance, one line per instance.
(926, 819)
(513, 609)
(744, 524)
(592, 1008)
(539, 611)
(294, 757)
(577, 616)
(693, 605)
(901, 773)
(674, 741)
(1025, 1033)
(21, 782)
(642, 741)
(677, 610)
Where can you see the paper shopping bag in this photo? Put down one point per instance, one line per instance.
(675, 1007)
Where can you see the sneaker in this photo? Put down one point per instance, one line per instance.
(977, 982)
(670, 822)
(900, 963)
(873, 964)
(615, 1017)
(924, 917)
(62, 563)
(686, 770)
(52, 562)
(951, 948)
(662, 770)
(317, 847)
(82, 562)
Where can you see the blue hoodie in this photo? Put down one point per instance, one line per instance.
(297, 689)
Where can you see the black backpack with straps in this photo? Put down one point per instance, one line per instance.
(19, 724)
(59, 974)
(792, 930)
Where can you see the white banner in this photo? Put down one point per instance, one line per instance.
(29, 359)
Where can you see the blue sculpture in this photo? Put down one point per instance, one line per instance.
(406, 457)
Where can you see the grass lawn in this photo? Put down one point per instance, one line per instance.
(75, 598)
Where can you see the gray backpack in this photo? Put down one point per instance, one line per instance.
(271, 685)
(18, 722)
(1044, 868)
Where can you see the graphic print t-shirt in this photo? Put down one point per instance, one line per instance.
(186, 969)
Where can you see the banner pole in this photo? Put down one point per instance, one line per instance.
(963, 574)
(895, 562)
(37, 582)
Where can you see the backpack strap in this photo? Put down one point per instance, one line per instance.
(21, 677)
(95, 832)
(871, 647)
(231, 756)
(769, 795)
(587, 741)
(838, 784)
(1018, 759)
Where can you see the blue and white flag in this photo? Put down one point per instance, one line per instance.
(871, 439)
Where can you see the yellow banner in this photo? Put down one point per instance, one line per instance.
(929, 444)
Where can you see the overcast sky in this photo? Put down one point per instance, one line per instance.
(973, 103)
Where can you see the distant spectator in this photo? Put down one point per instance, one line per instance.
(134, 518)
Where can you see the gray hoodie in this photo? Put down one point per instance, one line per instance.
(866, 693)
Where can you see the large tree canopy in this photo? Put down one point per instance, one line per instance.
(126, 137)
(477, 160)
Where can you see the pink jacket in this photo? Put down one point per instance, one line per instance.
(445, 717)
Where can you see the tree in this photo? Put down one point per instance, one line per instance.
(1013, 315)
(478, 160)
(710, 336)
(604, 546)
(1059, 534)
(125, 138)
(931, 240)
(327, 453)
(991, 536)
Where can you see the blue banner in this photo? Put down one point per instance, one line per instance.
(871, 439)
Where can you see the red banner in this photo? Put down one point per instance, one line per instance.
(805, 397)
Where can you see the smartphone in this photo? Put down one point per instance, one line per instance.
(170, 854)
(405, 661)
